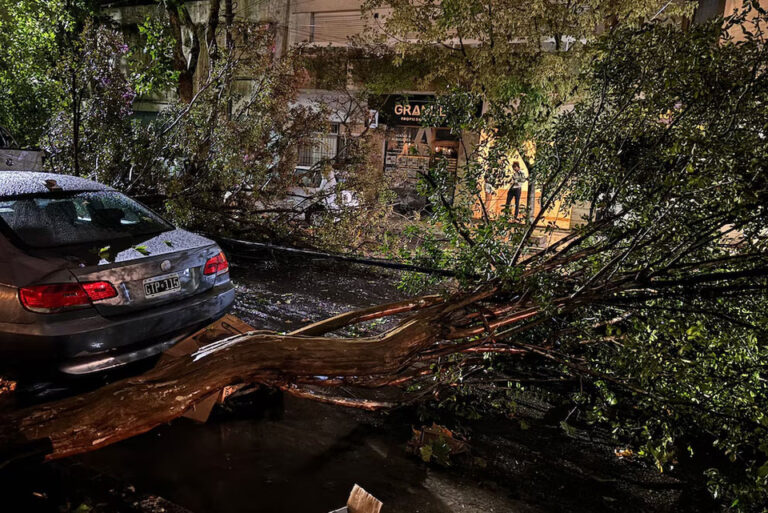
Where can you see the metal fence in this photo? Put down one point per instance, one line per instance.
(322, 147)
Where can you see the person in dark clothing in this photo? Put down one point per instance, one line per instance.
(515, 188)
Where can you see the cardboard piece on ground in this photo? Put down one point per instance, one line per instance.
(227, 326)
(201, 410)
(182, 348)
(361, 501)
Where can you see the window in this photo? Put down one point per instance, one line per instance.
(312, 27)
(320, 149)
(56, 219)
(335, 27)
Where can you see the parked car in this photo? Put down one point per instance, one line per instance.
(91, 279)
(313, 191)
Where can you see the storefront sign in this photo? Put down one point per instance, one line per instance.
(407, 110)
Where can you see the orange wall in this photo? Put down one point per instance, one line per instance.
(735, 5)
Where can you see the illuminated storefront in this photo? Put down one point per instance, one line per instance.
(410, 148)
(493, 196)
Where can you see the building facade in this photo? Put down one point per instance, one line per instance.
(407, 147)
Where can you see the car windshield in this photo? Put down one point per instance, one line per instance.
(60, 219)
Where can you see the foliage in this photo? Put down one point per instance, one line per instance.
(60, 60)
(28, 50)
(673, 141)
(225, 161)
(220, 157)
(656, 303)
(87, 132)
(512, 53)
(151, 61)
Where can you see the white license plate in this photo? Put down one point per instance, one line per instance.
(161, 285)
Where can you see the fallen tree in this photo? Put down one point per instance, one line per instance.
(135, 405)
(481, 321)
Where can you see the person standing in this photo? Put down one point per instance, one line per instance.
(515, 188)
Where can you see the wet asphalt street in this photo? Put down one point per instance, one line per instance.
(270, 453)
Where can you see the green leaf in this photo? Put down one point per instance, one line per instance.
(426, 453)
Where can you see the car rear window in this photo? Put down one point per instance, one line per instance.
(60, 219)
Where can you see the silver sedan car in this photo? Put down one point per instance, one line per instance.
(91, 280)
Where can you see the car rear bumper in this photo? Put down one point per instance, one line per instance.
(93, 343)
(113, 359)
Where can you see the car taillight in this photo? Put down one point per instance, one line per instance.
(62, 296)
(98, 290)
(216, 265)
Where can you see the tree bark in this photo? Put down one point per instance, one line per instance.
(75, 98)
(212, 25)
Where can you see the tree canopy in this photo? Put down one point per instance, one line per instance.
(657, 302)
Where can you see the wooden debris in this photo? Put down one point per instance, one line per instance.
(226, 327)
(361, 501)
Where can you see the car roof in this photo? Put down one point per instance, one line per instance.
(15, 183)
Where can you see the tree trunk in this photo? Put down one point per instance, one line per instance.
(488, 319)
(212, 25)
(186, 86)
(135, 405)
(437, 327)
(229, 19)
(530, 200)
(179, 18)
(75, 97)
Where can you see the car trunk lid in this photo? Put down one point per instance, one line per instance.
(147, 273)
